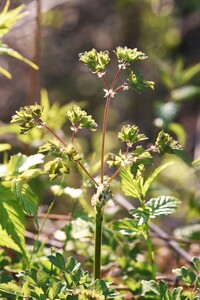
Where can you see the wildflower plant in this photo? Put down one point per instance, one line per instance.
(130, 163)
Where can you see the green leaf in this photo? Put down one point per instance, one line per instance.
(196, 263)
(176, 293)
(54, 290)
(11, 288)
(14, 164)
(186, 275)
(101, 287)
(7, 241)
(150, 180)
(198, 282)
(5, 73)
(71, 264)
(162, 206)
(185, 93)
(141, 215)
(26, 196)
(58, 261)
(127, 226)
(189, 73)
(150, 286)
(166, 144)
(9, 17)
(42, 278)
(136, 81)
(179, 131)
(130, 186)
(12, 218)
(4, 49)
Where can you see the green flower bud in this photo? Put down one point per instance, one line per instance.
(95, 61)
(130, 135)
(28, 117)
(56, 167)
(128, 56)
(80, 119)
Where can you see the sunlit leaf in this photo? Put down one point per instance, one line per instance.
(162, 206)
(27, 198)
(130, 186)
(7, 241)
(12, 217)
(151, 178)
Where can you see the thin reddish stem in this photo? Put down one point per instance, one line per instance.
(88, 174)
(55, 135)
(115, 78)
(115, 174)
(104, 136)
(78, 162)
(105, 82)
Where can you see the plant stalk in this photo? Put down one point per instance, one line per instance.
(150, 251)
(104, 136)
(98, 240)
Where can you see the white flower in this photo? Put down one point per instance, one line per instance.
(109, 93)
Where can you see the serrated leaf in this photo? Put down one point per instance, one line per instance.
(58, 261)
(7, 241)
(127, 226)
(196, 263)
(12, 217)
(141, 215)
(14, 164)
(162, 206)
(150, 180)
(186, 275)
(27, 198)
(130, 186)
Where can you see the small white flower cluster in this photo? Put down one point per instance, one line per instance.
(109, 93)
